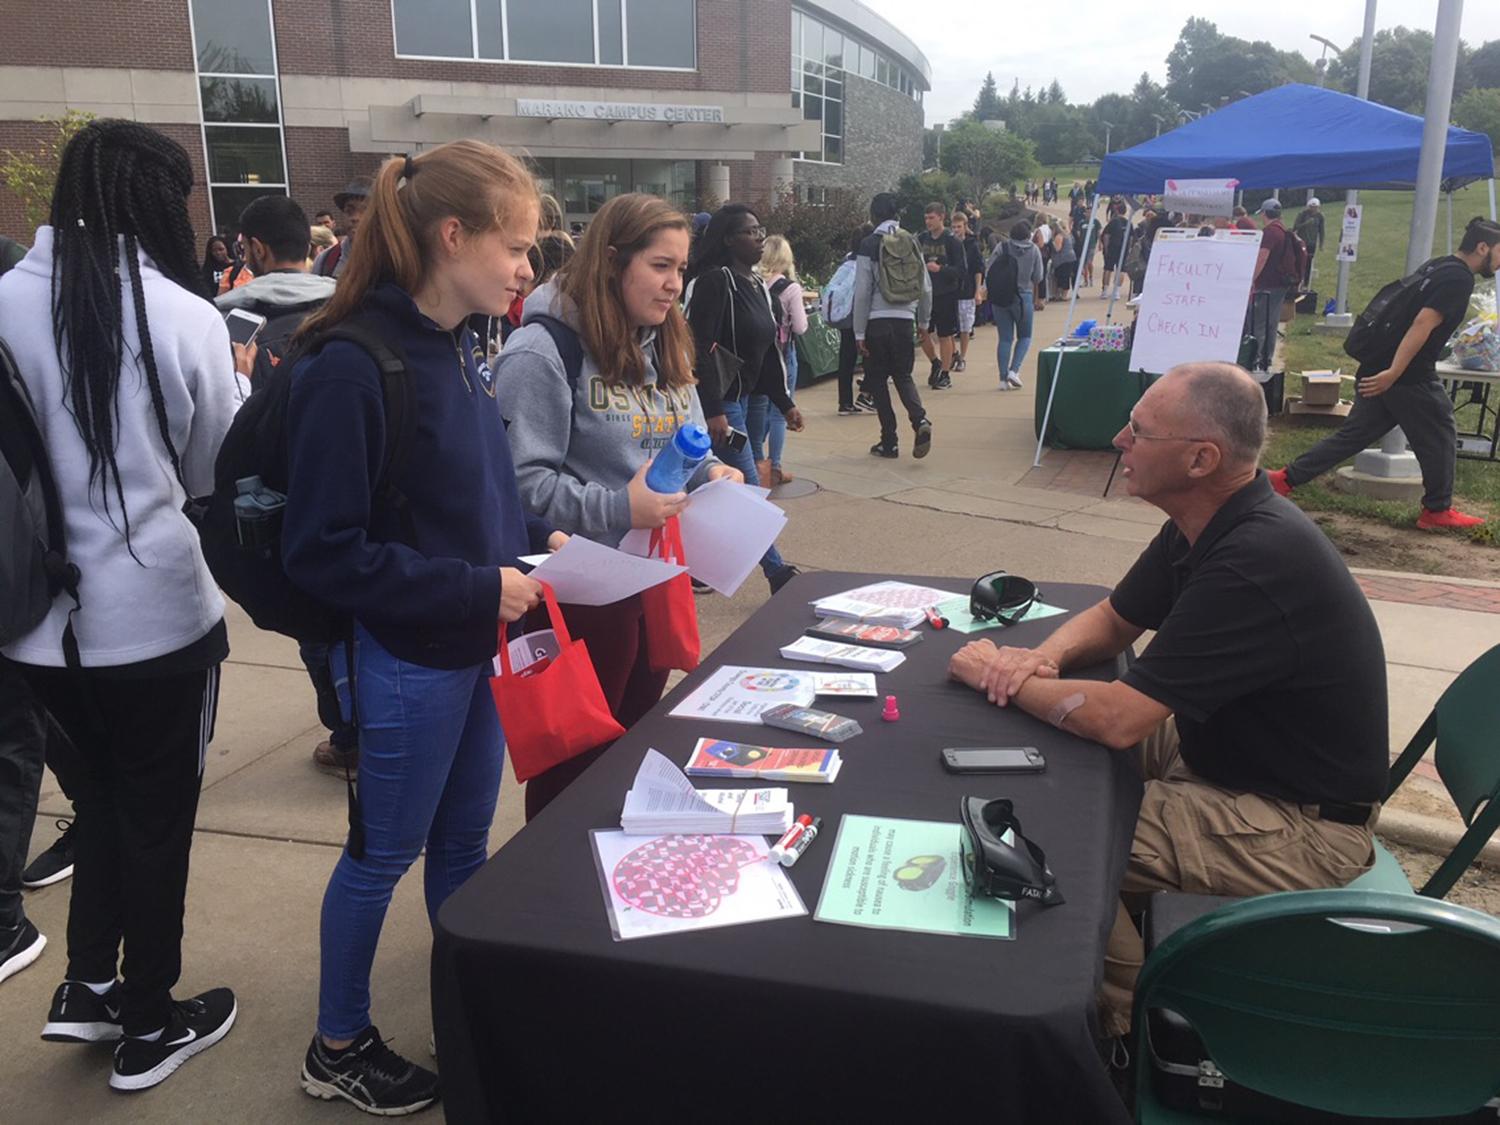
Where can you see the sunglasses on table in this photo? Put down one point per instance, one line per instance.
(1002, 597)
(997, 868)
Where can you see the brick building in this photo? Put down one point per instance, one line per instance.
(689, 99)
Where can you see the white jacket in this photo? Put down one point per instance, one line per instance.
(132, 611)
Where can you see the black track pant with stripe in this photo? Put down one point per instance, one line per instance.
(139, 745)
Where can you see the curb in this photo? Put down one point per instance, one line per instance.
(1477, 583)
(1432, 834)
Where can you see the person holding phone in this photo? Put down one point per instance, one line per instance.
(582, 446)
(731, 311)
(429, 581)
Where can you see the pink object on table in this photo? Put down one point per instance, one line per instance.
(891, 712)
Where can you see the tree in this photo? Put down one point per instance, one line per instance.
(1198, 37)
(1484, 66)
(987, 155)
(1207, 67)
(31, 175)
(1054, 94)
(1399, 62)
(987, 104)
(1480, 110)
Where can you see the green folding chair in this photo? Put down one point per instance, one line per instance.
(1465, 724)
(1362, 1003)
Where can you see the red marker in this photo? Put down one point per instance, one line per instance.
(791, 836)
(935, 619)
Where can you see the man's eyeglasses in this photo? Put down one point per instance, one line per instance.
(1136, 434)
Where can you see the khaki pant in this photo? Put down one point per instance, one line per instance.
(1196, 837)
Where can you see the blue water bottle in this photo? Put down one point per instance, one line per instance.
(674, 464)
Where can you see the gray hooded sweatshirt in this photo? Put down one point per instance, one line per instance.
(576, 450)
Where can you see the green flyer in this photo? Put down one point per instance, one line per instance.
(906, 875)
(956, 610)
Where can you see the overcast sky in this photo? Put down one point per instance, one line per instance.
(1095, 47)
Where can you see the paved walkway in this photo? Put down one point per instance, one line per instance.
(270, 827)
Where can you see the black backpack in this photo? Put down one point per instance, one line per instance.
(240, 524)
(1002, 283)
(1377, 331)
(34, 566)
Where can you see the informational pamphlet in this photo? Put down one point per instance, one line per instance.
(734, 694)
(899, 604)
(717, 757)
(662, 799)
(676, 883)
(906, 875)
(862, 657)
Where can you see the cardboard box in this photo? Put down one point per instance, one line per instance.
(1321, 388)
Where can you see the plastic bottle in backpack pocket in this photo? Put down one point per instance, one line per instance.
(675, 463)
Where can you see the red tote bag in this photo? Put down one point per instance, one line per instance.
(555, 713)
(671, 617)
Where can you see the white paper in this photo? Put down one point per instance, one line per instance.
(583, 572)
(850, 685)
(892, 595)
(1193, 304)
(1349, 234)
(726, 528)
(534, 560)
(862, 657)
(738, 695)
(662, 799)
(1201, 197)
(676, 883)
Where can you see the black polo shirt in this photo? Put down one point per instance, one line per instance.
(1265, 650)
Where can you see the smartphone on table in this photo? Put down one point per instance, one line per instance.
(993, 759)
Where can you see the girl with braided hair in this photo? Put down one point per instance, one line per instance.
(134, 383)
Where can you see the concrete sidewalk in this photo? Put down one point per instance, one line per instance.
(269, 826)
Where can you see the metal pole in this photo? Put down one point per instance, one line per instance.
(1450, 222)
(1341, 314)
(1425, 204)
(1083, 256)
(1492, 199)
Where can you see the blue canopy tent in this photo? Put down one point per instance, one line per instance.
(1296, 136)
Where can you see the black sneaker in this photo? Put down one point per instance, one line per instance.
(924, 439)
(700, 587)
(780, 578)
(849, 411)
(195, 1025)
(19, 947)
(937, 369)
(80, 1015)
(369, 1075)
(866, 402)
(881, 450)
(53, 865)
(943, 383)
(959, 363)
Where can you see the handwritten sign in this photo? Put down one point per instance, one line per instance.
(1194, 301)
(1201, 197)
(1349, 237)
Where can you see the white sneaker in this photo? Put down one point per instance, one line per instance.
(1014, 379)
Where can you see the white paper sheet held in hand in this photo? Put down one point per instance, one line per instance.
(662, 799)
(726, 528)
(587, 573)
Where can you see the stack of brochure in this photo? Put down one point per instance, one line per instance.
(862, 657)
(717, 757)
(882, 603)
(662, 801)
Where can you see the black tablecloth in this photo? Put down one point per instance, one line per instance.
(541, 1016)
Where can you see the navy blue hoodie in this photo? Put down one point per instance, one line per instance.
(431, 596)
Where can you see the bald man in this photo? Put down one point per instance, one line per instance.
(1258, 710)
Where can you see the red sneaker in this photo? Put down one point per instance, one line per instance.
(1447, 520)
(1278, 480)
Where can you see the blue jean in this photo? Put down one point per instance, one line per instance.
(341, 733)
(766, 424)
(430, 753)
(735, 411)
(1014, 323)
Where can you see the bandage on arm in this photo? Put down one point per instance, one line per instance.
(1065, 707)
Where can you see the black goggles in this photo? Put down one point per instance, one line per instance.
(1002, 597)
(999, 869)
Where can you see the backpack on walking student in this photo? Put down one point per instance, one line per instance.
(899, 268)
(838, 295)
(1377, 332)
(1002, 281)
(239, 525)
(34, 566)
(1293, 264)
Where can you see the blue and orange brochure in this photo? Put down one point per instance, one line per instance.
(714, 757)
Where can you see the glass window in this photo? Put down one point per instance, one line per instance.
(882, 72)
(588, 186)
(611, 37)
(488, 29)
(833, 87)
(551, 30)
(833, 48)
(833, 150)
(244, 155)
(233, 36)
(796, 33)
(833, 118)
(812, 39)
(230, 203)
(239, 99)
(812, 107)
(433, 27)
(662, 32)
(813, 85)
(867, 63)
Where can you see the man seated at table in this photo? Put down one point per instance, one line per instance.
(1259, 707)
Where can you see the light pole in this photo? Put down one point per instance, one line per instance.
(1322, 64)
(1341, 317)
(1159, 120)
(1108, 128)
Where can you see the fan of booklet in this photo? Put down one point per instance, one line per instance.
(663, 801)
